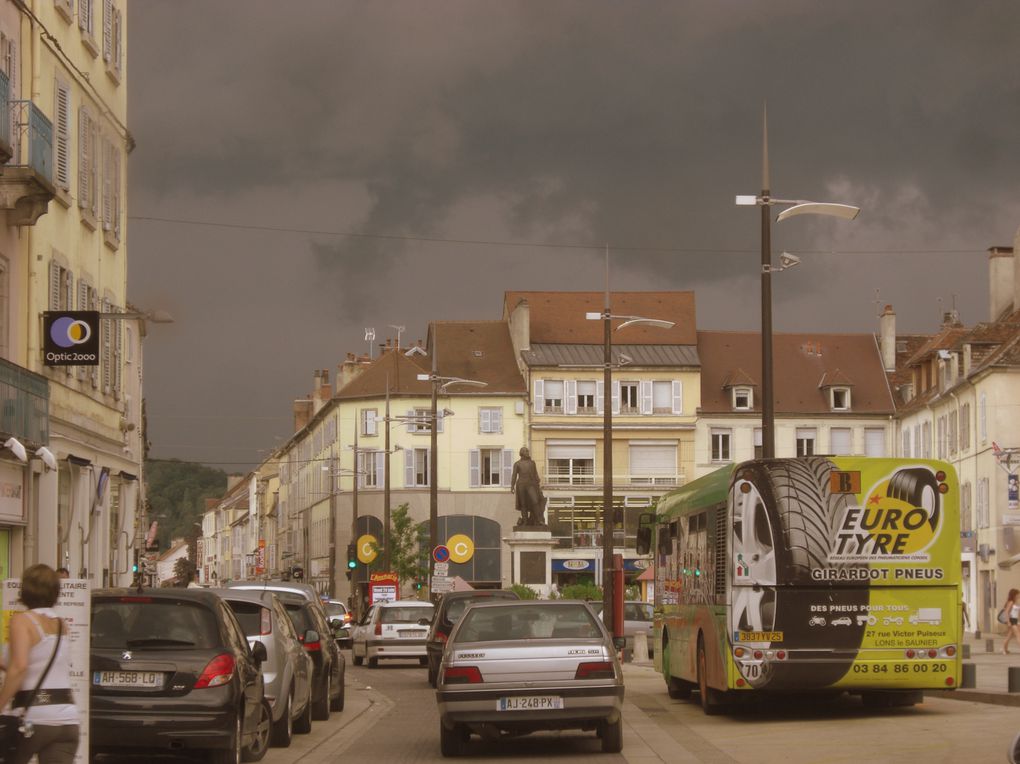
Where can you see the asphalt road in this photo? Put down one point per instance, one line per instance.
(391, 717)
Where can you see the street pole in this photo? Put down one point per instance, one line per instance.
(768, 414)
(607, 459)
(433, 469)
(334, 471)
(386, 476)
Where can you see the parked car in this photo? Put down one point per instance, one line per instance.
(288, 668)
(309, 621)
(449, 610)
(339, 621)
(392, 630)
(517, 667)
(637, 617)
(172, 672)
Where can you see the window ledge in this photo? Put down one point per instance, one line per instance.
(67, 14)
(88, 219)
(113, 73)
(89, 43)
(63, 197)
(111, 239)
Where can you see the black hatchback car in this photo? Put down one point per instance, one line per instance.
(328, 662)
(449, 610)
(171, 672)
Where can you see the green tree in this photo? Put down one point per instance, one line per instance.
(177, 492)
(184, 571)
(524, 591)
(582, 591)
(408, 546)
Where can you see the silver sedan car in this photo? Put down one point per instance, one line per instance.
(514, 667)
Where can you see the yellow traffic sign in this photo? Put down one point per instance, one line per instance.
(461, 547)
(368, 548)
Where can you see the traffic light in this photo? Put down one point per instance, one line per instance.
(134, 567)
(352, 557)
(418, 585)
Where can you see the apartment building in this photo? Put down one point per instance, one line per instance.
(64, 143)
(654, 397)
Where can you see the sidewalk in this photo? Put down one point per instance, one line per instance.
(992, 670)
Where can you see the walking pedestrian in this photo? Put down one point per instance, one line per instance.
(39, 657)
(1012, 608)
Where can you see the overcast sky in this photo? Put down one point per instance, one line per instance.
(390, 163)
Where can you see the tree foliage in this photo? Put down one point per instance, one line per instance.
(408, 546)
(524, 591)
(184, 571)
(176, 494)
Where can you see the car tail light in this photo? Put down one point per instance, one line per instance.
(266, 624)
(378, 629)
(595, 670)
(347, 617)
(462, 675)
(218, 671)
(313, 647)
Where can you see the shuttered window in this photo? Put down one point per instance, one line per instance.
(489, 467)
(490, 419)
(874, 441)
(62, 136)
(840, 441)
(88, 162)
(653, 463)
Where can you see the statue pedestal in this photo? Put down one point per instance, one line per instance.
(530, 552)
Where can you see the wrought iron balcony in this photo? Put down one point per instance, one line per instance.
(24, 405)
(26, 185)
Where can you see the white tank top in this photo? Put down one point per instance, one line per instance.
(57, 679)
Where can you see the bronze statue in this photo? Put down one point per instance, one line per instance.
(526, 485)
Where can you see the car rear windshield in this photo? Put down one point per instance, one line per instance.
(300, 617)
(403, 614)
(528, 622)
(457, 607)
(249, 615)
(335, 608)
(137, 622)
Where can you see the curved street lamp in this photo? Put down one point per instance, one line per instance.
(795, 207)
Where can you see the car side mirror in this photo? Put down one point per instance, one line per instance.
(258, 652)
(619, 642)
(311, 636)
(643, 544)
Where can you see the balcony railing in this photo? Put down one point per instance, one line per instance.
(24, 405)
(556, 478)
(33, 139)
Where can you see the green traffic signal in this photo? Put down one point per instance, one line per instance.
(352, 557)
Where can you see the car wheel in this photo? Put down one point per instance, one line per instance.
(612, 736)
(303, 724)
(337, 703)
(709, 697)
(451, 741)
(320, 707)
(283, 730)
(373, 663)
(231, 755)
(256, 749)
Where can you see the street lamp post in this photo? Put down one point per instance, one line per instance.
(795, 207)
(438, 383)
(607, 318)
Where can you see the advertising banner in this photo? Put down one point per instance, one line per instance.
(71, 338)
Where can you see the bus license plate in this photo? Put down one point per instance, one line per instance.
(147, 680)
(529, 703)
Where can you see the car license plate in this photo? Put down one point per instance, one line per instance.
(411, 634)
(529, 703)
(148, 680)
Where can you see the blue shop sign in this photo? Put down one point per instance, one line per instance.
(573, 565)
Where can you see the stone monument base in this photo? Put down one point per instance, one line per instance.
(530, 551)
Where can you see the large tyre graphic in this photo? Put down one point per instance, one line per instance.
(918, 487)
(784, 523)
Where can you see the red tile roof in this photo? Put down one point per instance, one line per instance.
(559, 317)
(802, 364)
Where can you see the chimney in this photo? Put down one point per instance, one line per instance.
(302, 414)
(520, 330)
(887, 338)
(1002, 284)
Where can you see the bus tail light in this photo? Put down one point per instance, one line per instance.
(758, 654)
(739, 652)
(933, 653)
(951, 651)
(780, 655)
(910, 653)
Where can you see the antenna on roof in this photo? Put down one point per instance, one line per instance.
(369, 338)
(399, 329)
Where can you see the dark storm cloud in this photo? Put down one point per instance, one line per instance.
(572, 122)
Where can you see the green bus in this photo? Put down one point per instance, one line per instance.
(815, 573)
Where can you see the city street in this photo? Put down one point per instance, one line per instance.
(391, 717)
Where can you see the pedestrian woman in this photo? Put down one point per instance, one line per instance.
(33, 642)
(1012, 608)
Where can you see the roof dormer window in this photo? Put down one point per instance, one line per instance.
(839, 398)
(743, 398)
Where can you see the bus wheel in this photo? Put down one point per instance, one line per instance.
(710, 702)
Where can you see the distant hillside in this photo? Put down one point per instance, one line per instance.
(178, 490)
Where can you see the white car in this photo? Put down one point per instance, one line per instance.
(392, 630)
